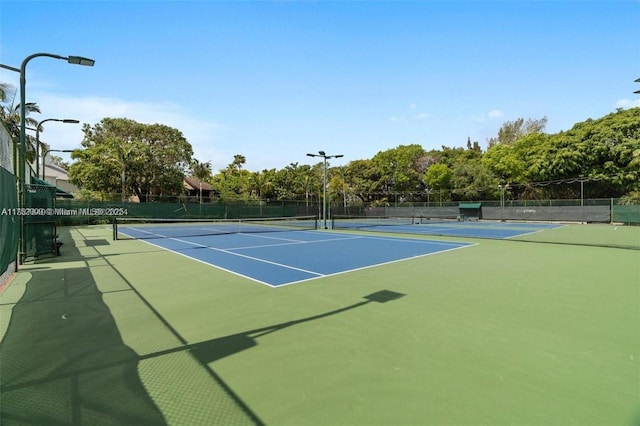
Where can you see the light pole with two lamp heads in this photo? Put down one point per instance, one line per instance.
(325, 157)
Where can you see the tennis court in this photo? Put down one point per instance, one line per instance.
(453, 228)
(401, 329)
(277, 255)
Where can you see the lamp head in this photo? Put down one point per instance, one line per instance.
(79, 60)
(321, 153)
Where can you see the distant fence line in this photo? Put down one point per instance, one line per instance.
(592, 214)
(74, 211)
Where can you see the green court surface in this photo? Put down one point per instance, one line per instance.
(500, 333)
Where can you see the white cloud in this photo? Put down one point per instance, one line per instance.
(491, 115)
(495, 114)
(407, 119)
(627, 103)
(200, 133)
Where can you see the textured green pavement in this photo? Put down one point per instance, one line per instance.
(501, 333)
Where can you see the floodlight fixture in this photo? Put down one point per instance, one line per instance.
(79, 60)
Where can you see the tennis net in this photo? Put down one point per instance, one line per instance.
(149, 228)
(359, 222)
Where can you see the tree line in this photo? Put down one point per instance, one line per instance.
(598, 156)
(521, 162)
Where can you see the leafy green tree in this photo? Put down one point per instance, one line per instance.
(401, 169)
(297, 182)
(262, 183)
(604, 154)
(472, 181)
(505, 162)
(511, 131)
(473, 147)
(121, 155)
(438, 178)
(337, 187)
(234, 184)
(363, 177)
(58, 161)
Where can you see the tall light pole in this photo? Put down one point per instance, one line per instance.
(581, 198)
(502, 188)
(325, 157)
(38, 127)
(76, 60)
(44, 157)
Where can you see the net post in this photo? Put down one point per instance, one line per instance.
(115, 228)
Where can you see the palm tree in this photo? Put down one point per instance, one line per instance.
(10, 115)
(5, 88)
(238, 161)
(262, 182)
(200, 170)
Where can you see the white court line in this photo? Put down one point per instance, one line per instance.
(533, 232)
(317, 275)
(208, 263)
(410, 239)
(249, 257)
(374, 266)
(292, 242)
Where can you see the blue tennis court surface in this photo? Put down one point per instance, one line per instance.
(470, 229)
(287, 257)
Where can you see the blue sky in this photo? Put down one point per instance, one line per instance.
(275, 80)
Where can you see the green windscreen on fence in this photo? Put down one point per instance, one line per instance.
(76, 212)
(9, 223)
(626, 214)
